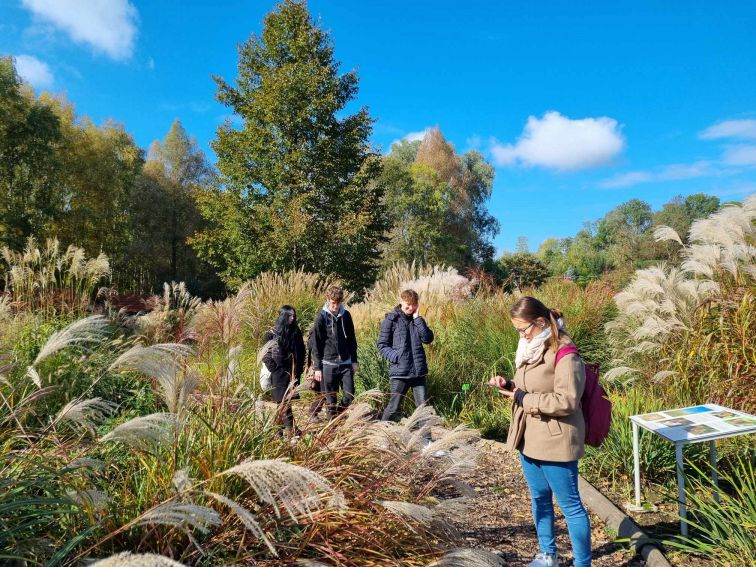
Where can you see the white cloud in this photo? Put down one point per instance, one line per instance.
(109, 26)
(730, 129)
(412, 137)
(416, 136)
(558, 142)
(740, 155)
(672, 172)
(34, 71)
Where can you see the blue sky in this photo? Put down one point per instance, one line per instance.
(580, 106)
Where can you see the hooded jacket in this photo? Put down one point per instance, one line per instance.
(333, 341)
(401, 343)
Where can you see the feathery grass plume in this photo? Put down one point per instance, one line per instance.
(279, 483)
(269, 346)
(247, 518)
(421, 515)
(84, 331)
(419, 425)
(144, 432)
(444, 283)
(457, 462)
(33, 375)
(666, 311)
(172, 318)
(469, 558)
(619, 372)
(86, 414)
(165, 363)
(663, 233)
(460, 436)
(232, 366)
(43, 278)
(454, 508)
(183, 482)
(182, 515)
(425, 518)
(268, 291)
(219, 320)
(663, 375)
(92, 499)
(358, 415)
(127, 559)
(5, 307)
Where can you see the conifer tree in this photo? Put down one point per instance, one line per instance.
(298, 177)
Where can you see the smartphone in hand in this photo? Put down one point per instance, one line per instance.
(501, 383)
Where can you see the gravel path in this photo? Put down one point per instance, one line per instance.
(501, 521)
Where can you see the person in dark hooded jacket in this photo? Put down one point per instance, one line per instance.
(334, 354)
(285, 361)
(403, 334)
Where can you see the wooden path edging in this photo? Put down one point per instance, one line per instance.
(625, 527)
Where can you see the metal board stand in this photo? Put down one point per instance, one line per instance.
(638, 423)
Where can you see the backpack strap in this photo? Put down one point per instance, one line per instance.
(564, 351)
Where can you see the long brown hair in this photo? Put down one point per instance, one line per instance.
(529, 309)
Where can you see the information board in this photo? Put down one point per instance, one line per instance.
(696, 422)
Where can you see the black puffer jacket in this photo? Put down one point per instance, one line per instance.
(401, 343)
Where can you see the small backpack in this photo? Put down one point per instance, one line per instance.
(265, 375)
(597, 409)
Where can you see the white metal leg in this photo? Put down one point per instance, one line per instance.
(636, 466)
(681, 507)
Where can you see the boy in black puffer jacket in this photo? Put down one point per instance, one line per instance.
(403, 333)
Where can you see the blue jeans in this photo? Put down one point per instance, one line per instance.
(561, 479)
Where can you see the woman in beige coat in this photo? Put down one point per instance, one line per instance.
(547, 426)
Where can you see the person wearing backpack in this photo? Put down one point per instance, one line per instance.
(285, 360)
(334, 353)
(547, 426)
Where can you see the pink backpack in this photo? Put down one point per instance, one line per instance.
(597, 409)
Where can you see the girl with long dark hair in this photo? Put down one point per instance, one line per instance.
(285, 360)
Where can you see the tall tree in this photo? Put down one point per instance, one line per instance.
(437, 202)
(175, 170)
(100, 166)
(623, 233)
(298, 178)
(29, 139)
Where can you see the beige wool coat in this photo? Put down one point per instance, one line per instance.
(549, 426)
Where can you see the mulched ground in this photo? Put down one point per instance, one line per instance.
(501, 521)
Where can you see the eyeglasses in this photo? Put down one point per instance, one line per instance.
(525, 330)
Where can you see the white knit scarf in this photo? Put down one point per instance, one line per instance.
(531, 351)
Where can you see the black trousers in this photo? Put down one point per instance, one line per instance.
(335, 377)
(280, 380)
(399, 388)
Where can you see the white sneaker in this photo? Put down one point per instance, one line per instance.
(545, 560)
